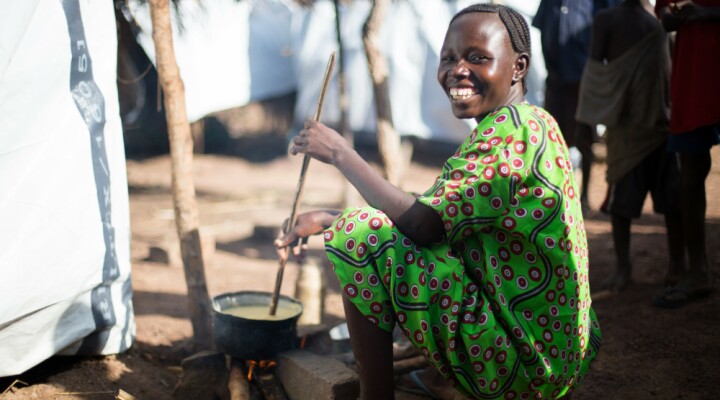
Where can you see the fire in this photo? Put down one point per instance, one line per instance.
(263, 364)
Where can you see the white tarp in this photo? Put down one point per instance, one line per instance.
(64, 214)
(233, 52)
(410, 38)
(226, 58)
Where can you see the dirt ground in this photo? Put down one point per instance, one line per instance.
(647, 353)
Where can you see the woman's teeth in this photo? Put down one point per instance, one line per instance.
(461, 93)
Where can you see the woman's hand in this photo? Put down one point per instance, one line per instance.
(319, 142)
(685, 10)
(307, 224)
(676, 14)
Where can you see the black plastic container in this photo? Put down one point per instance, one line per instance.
(253, 339)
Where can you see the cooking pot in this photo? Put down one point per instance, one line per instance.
(254, 339)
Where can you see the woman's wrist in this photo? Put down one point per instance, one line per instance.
(327, 218)
(341, 156)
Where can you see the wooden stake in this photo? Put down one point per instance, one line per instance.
(387, 137)
(183, 187)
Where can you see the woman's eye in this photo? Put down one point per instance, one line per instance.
(475, 58)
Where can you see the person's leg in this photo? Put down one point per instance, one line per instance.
(676, 248)
(621, 240)
(584, 138)
(372, 347)
(624, 201)
(694, 169)
(666, 200)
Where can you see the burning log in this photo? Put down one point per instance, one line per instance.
(238, 384)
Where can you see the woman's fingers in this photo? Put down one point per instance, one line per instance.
(282, 253)
(291, 242)
(285, 239)
(300, 250)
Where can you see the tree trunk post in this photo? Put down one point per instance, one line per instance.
(350, 195)
(183, 187)
(387, 137)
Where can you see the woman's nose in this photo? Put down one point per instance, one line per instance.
(460, 69)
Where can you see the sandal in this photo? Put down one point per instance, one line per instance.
(678, 296)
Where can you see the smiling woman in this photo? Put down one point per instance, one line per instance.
(487, 271)
(485, 64)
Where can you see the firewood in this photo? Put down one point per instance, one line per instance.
(238, 384)
(409, 364)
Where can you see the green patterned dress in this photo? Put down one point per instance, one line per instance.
(502, 306)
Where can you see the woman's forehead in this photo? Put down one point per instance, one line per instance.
(478, 28)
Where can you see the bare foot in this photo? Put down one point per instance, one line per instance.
(698, 283)
(432, 383)
(617, 282)
(673, 276)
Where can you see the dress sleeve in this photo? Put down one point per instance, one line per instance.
(477, 183)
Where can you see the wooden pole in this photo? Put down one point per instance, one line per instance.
(183, 187)
(387, 137)
(349, 193)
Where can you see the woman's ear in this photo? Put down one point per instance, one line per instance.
(521, 67)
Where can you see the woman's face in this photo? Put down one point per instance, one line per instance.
(478, 67)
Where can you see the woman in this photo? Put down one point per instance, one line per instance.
(487, 272)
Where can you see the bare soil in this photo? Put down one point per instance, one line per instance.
(647, 353)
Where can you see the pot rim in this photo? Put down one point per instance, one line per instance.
(216, 308)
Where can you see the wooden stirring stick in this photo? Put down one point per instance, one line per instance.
(301, 182)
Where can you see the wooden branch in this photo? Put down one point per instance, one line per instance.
(350, 194)
(238, 384)
(183, 187)
(387, 137)
(406, 365)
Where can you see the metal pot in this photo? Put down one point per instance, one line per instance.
(254, 339)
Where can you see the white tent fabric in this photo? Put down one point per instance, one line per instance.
(410, 38)
(64, 213)
(229, 52)
(233, 52)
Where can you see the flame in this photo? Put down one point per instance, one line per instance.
(264, 364)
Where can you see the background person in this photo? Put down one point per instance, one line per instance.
(565, 27)
(625, 86)
(694, 127)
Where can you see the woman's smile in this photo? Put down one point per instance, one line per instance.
(461, 93)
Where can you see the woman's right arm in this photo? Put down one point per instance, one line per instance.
(419, 222)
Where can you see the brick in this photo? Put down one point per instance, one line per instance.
(305, 375)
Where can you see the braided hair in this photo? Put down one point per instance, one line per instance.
(515, 24)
